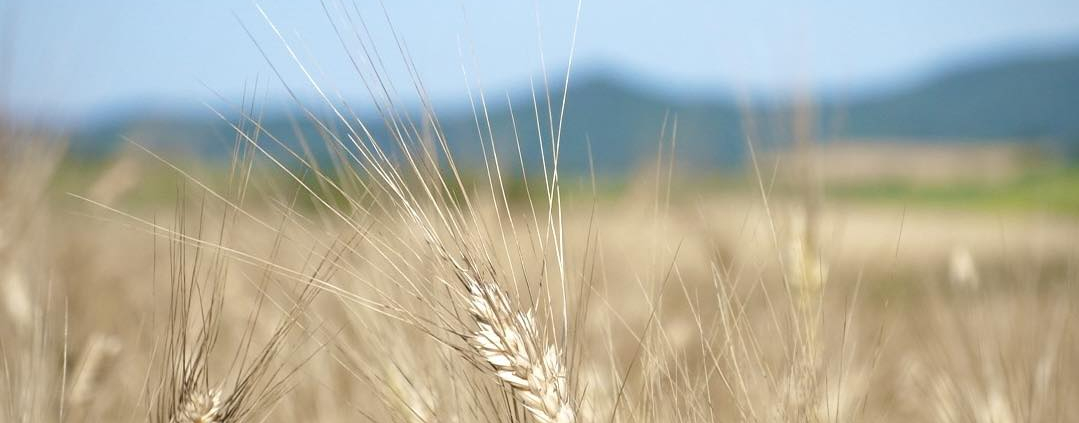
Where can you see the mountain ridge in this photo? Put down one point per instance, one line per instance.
(1026, 98)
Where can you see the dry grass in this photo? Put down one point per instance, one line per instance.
(386, 286)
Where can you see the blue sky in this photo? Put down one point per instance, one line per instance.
(78, 58)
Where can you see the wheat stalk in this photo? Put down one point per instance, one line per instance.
(508, 341)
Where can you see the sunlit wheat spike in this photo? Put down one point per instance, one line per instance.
(962, 269)
(201, 407)
(508, 341)
(98, 360)
(16, 299)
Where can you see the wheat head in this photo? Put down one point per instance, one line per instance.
(201, 407)
(509, 342)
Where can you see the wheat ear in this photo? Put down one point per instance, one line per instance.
(509, 342)
(201, 406)
(99, 358)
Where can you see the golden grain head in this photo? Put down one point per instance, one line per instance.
(509, 341)
(201, 406)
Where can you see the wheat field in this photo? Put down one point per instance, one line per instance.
(399, 282)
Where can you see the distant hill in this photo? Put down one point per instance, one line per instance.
(1033, 99)
(1022, 98)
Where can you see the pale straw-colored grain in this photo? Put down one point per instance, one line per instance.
(511, 343)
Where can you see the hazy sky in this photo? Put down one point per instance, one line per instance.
(78, 58)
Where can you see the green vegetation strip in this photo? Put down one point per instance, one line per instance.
(1050, 190)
